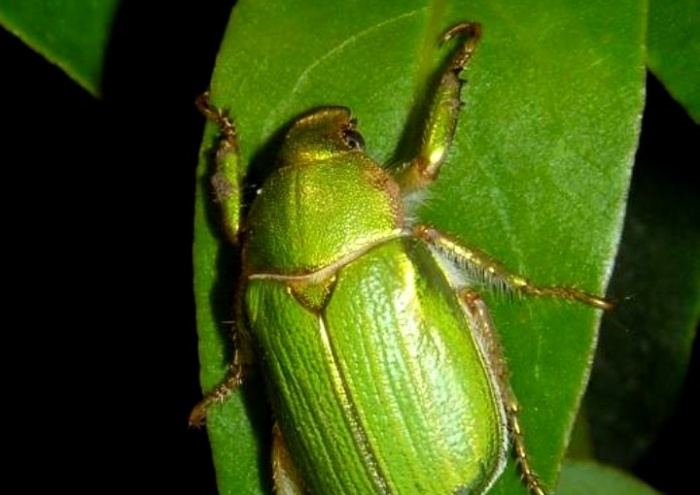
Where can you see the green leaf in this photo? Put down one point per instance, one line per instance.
(588, 478)
(537, 177)
(674, 50)
(72, 34)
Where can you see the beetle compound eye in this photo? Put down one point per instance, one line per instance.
(354, 139)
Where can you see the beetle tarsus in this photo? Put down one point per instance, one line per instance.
(217, 396)
(472, 32)
(530, 478)
(216, 115)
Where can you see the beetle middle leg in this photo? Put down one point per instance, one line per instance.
(479, 265)
(238, 369)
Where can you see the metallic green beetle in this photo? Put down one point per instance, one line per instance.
(382, 363)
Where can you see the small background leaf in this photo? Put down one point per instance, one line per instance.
(538, 174)
(674, 49)
(587, 478)
(72, 34)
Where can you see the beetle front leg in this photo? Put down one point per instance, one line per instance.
(226, 181)
(479, 265)
(443, 113)
(481, 321)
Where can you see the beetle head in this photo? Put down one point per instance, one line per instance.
(323, 133)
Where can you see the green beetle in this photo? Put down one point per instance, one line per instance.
(351, 309)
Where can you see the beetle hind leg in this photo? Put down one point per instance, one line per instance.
(284, 474)
(480, 318)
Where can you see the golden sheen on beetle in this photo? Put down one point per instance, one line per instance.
(359, 309)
